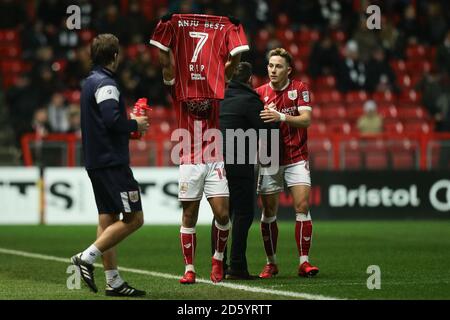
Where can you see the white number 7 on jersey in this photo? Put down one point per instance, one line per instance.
(203, 36)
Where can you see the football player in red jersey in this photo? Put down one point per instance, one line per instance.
(288, 102)
(198, 54)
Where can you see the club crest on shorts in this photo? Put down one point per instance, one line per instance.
(184, 187)
(134, 196)
(292, 94)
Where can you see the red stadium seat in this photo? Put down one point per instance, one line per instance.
(393, 126)
(403, 161)
(352, 160)
(307, 36)
(283, 21)
(356, 96)
(413, 113)
(338, 36)
(286, 36)
(327, 96)
(317, 128)
(325, 82)
(381, 97)
(418, 127)
(418, 67)
(376, 161)
(388, 110)
(14, 66)
(333, 113)
(354, 112)
(339, 127)
(417, 52)
(399, 66)
(410, 96)
(86, 35)
(9, 52)
(320, 153)
(9, 36)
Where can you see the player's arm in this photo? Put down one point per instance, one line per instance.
(231, 65)
(303, 120)
(167, 63)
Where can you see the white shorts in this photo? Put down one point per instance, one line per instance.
(203, 177)
(295, 174)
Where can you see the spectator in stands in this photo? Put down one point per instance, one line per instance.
(40, 123)
(137, 25)
(58, 114)
(366, 39)
(409, 26)
(435, 26)
(33, 37)
(388, 37)
(435, 88)
(443, 54)
(74, 119)
(324, 57)
(111, 22)
(22, 101)
(370, 122)
(380, 76)
(351, 71)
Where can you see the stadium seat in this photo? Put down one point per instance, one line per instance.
(300, 65)
(411, 96)
(417, 127)
(9, 52)
(356, 96)
(285, 36)
(13, 66)
(354, 112)
(333, 113)
(387, 110)
(327, 96)
(417, 67)
(86, 35)
(339, 127)
(307, 36)
(7, 35)
(317, 128)
(352, 160)
(320, 153)
(417, 52)
(338, 36)
(325, 82)
(393, 126)
(376, 161)
(399, 66)
(413, 113)
(383, 97)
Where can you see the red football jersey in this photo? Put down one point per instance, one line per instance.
(198, 145)
(291, 99)
(201, 45)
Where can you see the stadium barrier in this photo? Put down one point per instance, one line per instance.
(327, 152)
(64, 196)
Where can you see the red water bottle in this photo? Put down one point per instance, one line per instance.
(140, 110)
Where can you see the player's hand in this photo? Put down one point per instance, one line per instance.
(270, 106)
(271, 115)
(142, 122)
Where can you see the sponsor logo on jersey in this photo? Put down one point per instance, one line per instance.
(183, 187)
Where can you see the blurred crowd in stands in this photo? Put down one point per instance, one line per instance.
(329, 40)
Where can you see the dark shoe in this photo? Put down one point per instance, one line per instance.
(123, 291)
(86, 271)
(239, 275)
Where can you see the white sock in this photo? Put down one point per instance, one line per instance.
(189, 267)
(272, 259)
(113, 278)
(303, 259)
(90, 254)
(218, 255)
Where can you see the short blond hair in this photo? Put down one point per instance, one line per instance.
(282, 53)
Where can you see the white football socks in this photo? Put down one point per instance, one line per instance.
(90, 254)
(113, 278)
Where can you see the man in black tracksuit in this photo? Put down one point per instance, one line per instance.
(105, 136)
(240, 109)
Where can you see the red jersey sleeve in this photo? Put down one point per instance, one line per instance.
(237, 40)
(162, 36)
(304, 97)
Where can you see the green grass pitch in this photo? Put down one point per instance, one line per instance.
(413, 256)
